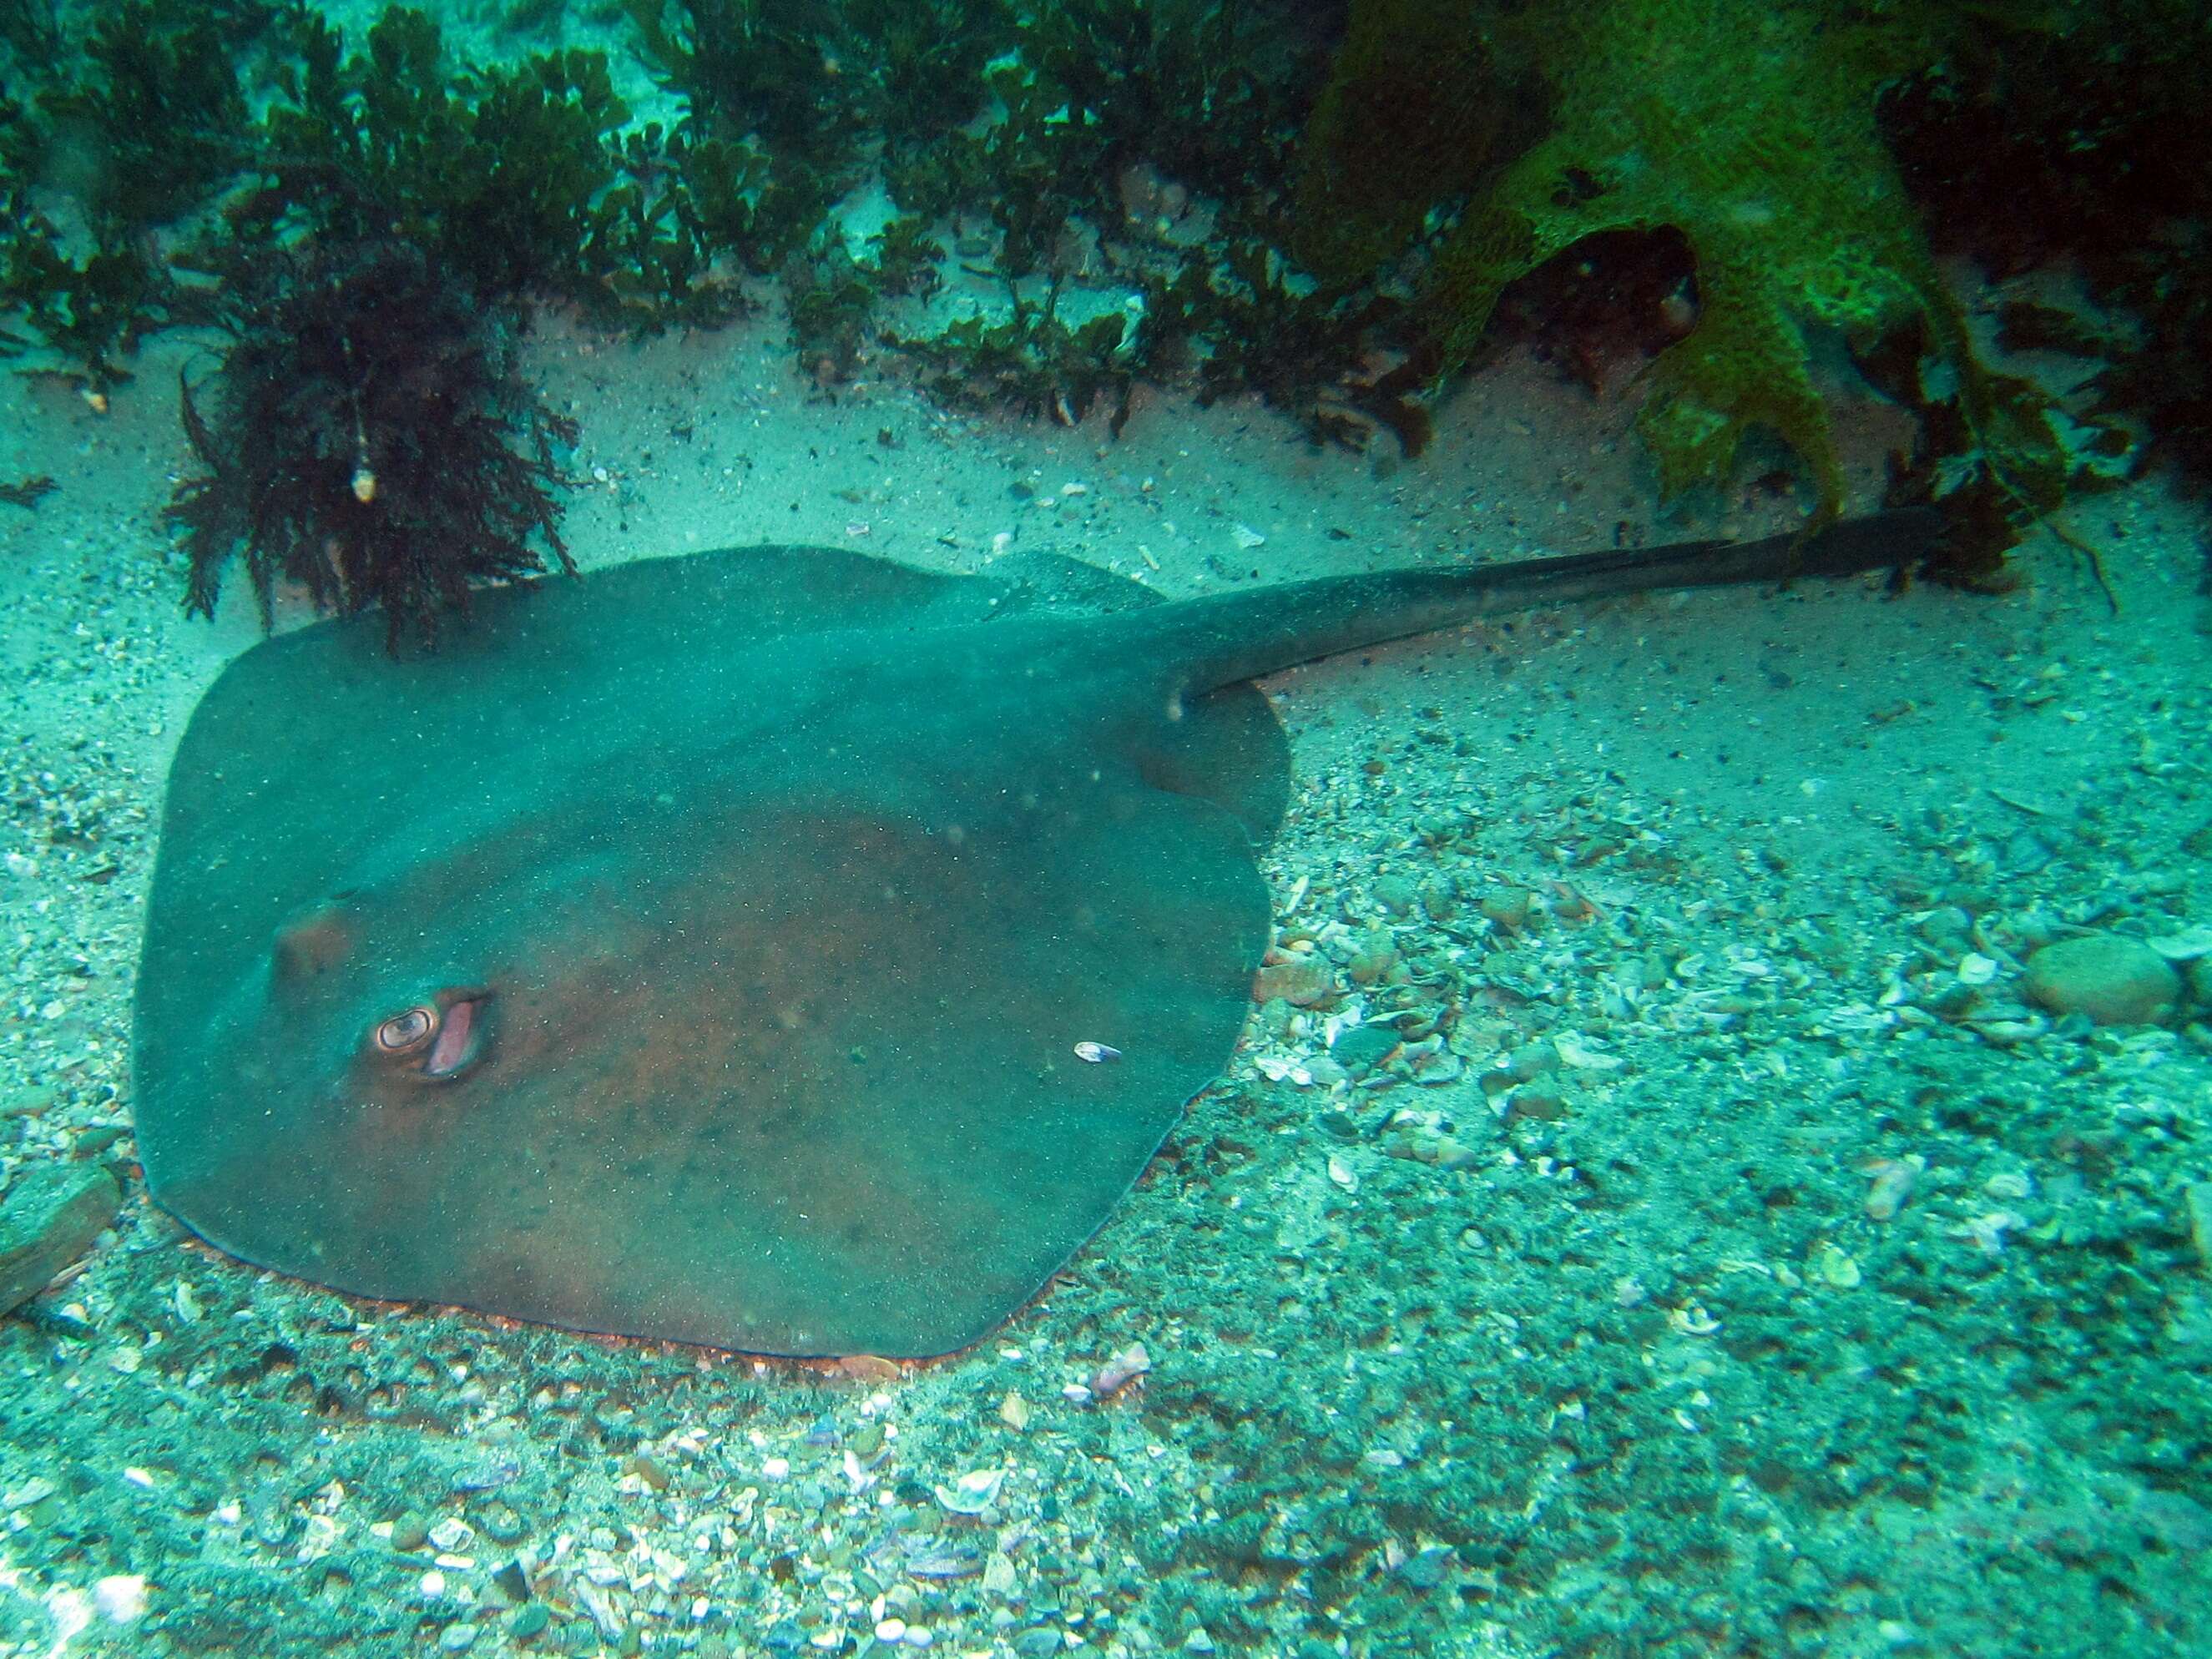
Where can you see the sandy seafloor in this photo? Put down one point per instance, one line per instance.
(1642, 1376)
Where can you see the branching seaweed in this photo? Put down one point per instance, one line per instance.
(502, 176)
(369, 438)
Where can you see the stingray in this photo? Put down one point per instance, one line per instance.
(779, 950)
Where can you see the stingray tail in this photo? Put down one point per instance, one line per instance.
(1216, 641)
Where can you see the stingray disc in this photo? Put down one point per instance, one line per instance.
(699, 949)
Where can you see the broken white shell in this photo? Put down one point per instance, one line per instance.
(2186, 945)
(973, 1493)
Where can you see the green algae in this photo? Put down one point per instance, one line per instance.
(1748, 129)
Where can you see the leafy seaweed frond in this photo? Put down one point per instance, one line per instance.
(160, 119)
(1031, 361)
(92, 307)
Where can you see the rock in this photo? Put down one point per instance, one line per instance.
(2108, 978)
(1397, 895)
(1532, 1060)
(1301, 982)
(25, 1102)
(1506, 906)
(2197, 1199)
(1371, 964)
(1365, 1047)
(49, 1218)
(1540, 1099)
(1428, 1569)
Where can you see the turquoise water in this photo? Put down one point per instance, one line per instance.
(1713, 1159)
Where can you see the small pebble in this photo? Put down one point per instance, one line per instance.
(529, 1622)
(1541, 1100)
(458, 1638)
(120, 1598)
(1835, 1267)
(499, 1523)
(1427, 1570)
(2190, 944)
(1890, 1181)
(1371, 965)
(1453, 1153)
(1947, 928)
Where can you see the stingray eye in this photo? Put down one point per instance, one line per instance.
(404, 1032)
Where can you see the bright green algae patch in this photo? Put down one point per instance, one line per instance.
(1748, 129)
